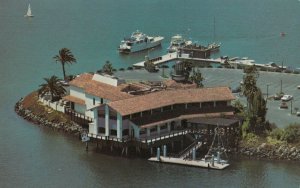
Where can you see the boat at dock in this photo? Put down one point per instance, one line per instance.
(139, 41)
(177, 41)
(216, 150)
(213, 47)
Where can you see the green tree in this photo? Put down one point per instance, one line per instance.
(64, 56)
(197, 78)
(249, 87)
(149, 66)
(108, 68)
(187, 68)
(53, 87)
(256, 104)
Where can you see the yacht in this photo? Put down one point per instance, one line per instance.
(139, 41)
(214, 47)
(178, 41)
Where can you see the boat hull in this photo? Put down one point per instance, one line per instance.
(140, 47)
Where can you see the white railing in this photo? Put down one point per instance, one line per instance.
(58, 105)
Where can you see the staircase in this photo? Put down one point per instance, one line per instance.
(189, 150)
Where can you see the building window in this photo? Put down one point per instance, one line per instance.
(142, 131)
(125, 132)
(153, 129)
(94, 101)
(163, 127)
(101, 130)
(113, 132)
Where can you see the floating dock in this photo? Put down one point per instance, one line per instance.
(195, 163)
(175, 56)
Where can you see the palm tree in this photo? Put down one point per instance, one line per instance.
(53, 87)
(197, 78)
(107, 68)
(250, 90)
(65, 56)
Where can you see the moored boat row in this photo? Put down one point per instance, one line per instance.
(139, 41)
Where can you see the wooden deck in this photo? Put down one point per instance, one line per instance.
(174, 56)
(194, 163)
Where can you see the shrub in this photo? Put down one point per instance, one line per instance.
(245, 128)
(129, 68)
(276, 134)
(121, 69)
(251, 138)
(291, 133)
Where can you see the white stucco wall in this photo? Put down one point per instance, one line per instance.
(111, 80)
(77, 92)
(89, 101)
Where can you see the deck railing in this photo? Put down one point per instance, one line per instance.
(77, 117)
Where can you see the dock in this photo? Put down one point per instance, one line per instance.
(194, 163)
(176, 56)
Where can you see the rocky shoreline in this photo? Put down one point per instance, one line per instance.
(271, 152)
(28, 115)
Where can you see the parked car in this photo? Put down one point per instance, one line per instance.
(287, 97)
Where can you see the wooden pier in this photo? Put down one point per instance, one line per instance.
(176, 56)
(195, 163)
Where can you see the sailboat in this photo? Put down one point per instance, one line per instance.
(214, 46)
(216, 149)
(28, 14)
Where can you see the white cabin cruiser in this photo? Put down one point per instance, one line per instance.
(178, 41)
(139, 41)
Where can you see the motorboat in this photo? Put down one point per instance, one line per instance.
(139, 41)
(214, 47)
(177, 42)
(287, 97)
(283, 105)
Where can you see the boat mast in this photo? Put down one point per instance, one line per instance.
(214, 37)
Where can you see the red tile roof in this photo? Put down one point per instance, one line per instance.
(99, 89)
(74, 99)
(170, 97)
(182, 117)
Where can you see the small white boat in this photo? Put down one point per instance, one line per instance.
(178, 41)
(29, 13)
(287, 97)
(138, 42)
(214, 47)
(298, 87)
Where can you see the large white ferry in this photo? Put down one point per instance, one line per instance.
(138, 42)
(178, 41)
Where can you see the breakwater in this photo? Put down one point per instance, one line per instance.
(271, 152)
(27, 114)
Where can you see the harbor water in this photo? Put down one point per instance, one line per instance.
(34, 156)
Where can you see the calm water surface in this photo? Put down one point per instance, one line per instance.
(33, 156)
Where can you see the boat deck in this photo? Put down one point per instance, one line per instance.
(195, 163)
